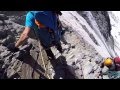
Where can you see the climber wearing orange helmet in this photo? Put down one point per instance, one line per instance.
(112, 64)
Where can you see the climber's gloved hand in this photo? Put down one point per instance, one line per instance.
(11, 47)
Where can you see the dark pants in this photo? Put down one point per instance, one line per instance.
(50, 53)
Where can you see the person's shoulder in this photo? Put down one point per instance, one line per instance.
(33, 13)
(29, 19)
(30, 14)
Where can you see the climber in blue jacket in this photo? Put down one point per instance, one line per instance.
(46, 26)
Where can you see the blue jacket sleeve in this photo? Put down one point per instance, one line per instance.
(30, 21)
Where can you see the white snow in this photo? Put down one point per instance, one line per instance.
(75, 21)
(115, 32)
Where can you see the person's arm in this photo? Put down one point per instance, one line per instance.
(29, 24)
(24, 36)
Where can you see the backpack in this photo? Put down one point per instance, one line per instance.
(49, 29)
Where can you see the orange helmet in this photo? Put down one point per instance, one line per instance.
(108, 62)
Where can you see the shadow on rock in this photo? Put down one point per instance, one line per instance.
(28, 59)
(24, 56)
(61, 68)
(35, 66)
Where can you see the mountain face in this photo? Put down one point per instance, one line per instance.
(89, 37)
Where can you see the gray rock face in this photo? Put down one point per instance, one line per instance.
(79, 60)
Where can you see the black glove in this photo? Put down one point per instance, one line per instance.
(22, 55)
(11, 47)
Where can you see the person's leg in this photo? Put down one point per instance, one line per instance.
(59, 47)
(50, 54)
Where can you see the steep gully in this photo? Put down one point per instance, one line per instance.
(90, 37)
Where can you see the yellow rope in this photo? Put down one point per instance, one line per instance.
(42, 58)
(41, 53)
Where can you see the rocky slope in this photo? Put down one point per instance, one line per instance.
(86, 42)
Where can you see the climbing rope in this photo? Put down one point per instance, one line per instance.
(40, 49)
(42, 59)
